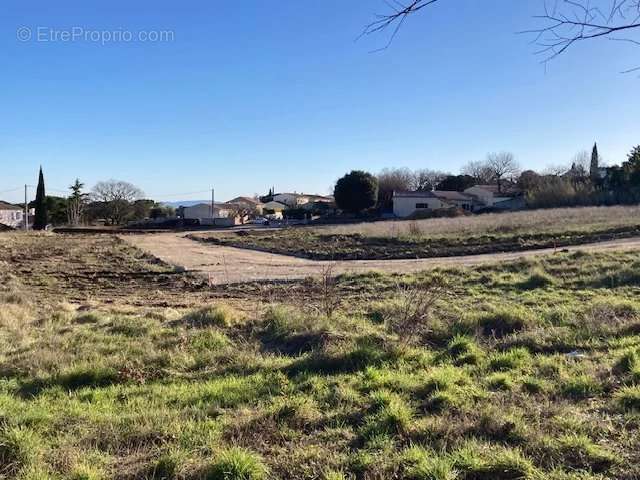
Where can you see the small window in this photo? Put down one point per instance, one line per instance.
(421, 205)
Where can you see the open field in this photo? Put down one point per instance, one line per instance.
(441, 237)
(113, 365)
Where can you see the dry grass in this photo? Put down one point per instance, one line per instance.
(533, 221)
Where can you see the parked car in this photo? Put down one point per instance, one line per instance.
(259, 221)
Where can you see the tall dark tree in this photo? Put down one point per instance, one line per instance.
(42, 215)
(356, 191)
(595, 161)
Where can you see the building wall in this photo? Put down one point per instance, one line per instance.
(290, 199)
(13, 218)
(407, 206)
(485, 196)
(204, 211)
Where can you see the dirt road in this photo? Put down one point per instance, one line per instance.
(235, 265)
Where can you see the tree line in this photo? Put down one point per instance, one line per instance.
(115, 202)
(585, 181)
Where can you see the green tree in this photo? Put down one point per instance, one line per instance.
(457, 183)
(356, 191)
(42, 216)
(76, 203)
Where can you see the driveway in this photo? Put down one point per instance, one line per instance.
(222, 265)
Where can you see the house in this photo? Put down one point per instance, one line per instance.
(11, 215)
(406, 204)
(491, 197)
(274, 209)
(296, 200)
(248, 202)
(221, 213)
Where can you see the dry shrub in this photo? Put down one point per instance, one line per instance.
(412, 310)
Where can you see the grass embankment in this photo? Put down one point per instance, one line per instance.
(493, 233)
(528, 370)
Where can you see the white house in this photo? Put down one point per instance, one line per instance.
(406, 204)
(11, 215)
(203, 212)
(487, 194)
(296, 200)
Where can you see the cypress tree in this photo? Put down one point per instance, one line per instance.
(593, 170)
(42, 217)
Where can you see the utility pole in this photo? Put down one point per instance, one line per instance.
(213, 202)
(26, 210)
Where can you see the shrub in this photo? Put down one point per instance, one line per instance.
(213, 316)
(237, 464)
(503, 322)
(628, 398)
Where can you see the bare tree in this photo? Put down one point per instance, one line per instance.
(393, 180)
(565, 22)
(117, 197)
(479, 170)
(569, 22)
(502, 166)
(427, 180)
(243, 211)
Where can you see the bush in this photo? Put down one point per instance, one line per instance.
(237, 464)
(356, 191)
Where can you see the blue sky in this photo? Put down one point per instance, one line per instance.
(259, 93)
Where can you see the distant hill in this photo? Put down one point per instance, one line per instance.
(185, 203)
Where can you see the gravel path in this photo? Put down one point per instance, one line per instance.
(236, 265)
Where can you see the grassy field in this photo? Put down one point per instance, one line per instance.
(115, 366)
(443, 236)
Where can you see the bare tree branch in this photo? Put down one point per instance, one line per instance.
(565, 23)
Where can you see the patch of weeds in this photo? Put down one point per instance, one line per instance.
(334, 475)
(237, 464)
(213, 316)
(288, 331)
(89, 317)
(421, 464)
(206, 340)
(295, 412)
(464, 350)
(510, 360)
(629, 364)
(500, 381)
(534, 385)
(538, 278)
(488, 462)
(503, 322)
(581, 386)
(19, 448)
(391, 415)
(628, 398)
(580, 452)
